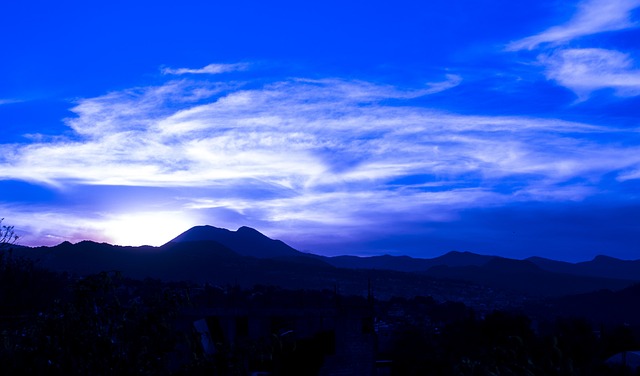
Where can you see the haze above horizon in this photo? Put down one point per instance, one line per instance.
(494, 127)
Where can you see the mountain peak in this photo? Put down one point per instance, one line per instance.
(604, 258)
(457, 258)
(245, 241)
(249, 231)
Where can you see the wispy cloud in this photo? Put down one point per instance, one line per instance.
(589, 69)
(9, 101)
(592, 17)
(294, 133)
(209, 69)
(452, 81)
(632, 174)
(328, 152)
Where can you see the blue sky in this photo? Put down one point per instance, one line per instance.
(496, 127)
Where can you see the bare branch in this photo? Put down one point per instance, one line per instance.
(8, 235)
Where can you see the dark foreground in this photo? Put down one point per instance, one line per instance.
(105, 324)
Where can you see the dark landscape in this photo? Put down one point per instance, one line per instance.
(220, 302)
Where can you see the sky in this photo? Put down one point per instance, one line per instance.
(416, 128)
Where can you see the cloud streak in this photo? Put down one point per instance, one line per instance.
(592, 17)
(9, 101)
(585, 70)
(209, 69)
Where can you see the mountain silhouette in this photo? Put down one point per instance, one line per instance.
(246, 241)
(600, 266)
(209, 262)
(525, 277)
(171, 261)
(208, 254)
(409, 264)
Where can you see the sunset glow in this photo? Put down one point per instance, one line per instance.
(156, 228)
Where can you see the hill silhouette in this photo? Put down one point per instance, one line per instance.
(600, 266)
(409, 264)
(207, 254)
(525, 277)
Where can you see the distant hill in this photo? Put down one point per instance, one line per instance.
(245, 241)
(600, 266)
(408, 264)
(602, 271)
(525, 277)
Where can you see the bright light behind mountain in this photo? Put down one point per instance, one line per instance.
(146, 228)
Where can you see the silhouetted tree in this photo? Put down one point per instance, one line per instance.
(8, 235)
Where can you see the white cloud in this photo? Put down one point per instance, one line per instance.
(300, 134)
(592, 17)
(209, 69)
(588, 69)
(584, 70)
(320, 151)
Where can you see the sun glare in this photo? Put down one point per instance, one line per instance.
(153, 228)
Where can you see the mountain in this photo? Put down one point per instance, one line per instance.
(552, 265)
(525, 277)
(208, 254)
(245, 241)
(384, 262)
(203, 261)
(408, 264)
(455, 258)
(600, 266)
(209, 262)
(533, 275)
(166, 262)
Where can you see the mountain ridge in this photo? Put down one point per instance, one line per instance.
(216, 255)
(246, 241)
